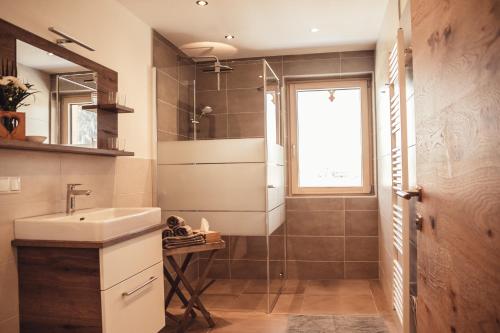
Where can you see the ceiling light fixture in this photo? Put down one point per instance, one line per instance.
(201, 3)
(229, 37)
(314, 29)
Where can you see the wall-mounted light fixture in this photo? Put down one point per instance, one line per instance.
(66, 39)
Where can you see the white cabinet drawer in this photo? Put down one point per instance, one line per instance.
(121, 261)
(136, 304)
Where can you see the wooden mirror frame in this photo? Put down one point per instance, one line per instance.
(107, 79)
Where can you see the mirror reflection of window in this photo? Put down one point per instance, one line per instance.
(83, 125)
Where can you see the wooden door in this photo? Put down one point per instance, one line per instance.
(456, 59)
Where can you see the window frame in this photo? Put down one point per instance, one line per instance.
(367, 172)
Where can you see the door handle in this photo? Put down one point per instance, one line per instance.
(417, 192)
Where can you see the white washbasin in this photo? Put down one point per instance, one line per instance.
(98, 224)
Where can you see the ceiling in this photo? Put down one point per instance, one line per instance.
(263, 27)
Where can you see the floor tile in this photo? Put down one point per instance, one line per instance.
(289, 303)
(338, 304)
(338, 287)
(226, 287)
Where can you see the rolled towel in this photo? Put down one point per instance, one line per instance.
(167, 233)
(175, 221)
(183, 230)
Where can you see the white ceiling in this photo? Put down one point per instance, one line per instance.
(264, 27)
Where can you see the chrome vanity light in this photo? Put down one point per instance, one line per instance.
(68, 39)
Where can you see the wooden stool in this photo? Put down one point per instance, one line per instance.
(194, 301)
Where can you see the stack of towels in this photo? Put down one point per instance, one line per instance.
(179, 234)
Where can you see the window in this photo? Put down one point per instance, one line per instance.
(330, 137)
(83, 125)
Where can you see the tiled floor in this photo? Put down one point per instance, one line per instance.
(240, 305)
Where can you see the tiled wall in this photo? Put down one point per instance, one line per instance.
(245, 257)
(114, 182)
(175, 73)
(332, 238)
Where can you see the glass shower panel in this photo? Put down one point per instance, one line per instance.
(275, 189)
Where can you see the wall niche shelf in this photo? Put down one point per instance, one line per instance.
(117, 108)
(55, 148)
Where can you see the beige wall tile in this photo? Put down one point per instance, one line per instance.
(133, 175)
(246, 125)
(365, 203)
(361, 248)
(7, 252)
(309, 270)
(361, 270)
(245, 101)
(9, 305)
(315, 248)
(314, 204)
(315, 223)
(361, 223)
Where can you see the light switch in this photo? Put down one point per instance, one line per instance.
(15, 184)
(4, 184)
(10, 184)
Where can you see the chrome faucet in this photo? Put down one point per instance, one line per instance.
(71, 193)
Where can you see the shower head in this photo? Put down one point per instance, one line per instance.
(206, 110)
(217, 68)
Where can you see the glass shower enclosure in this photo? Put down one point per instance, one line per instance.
(236, 182)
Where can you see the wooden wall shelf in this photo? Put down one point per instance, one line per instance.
(109, 107)
(54, 148)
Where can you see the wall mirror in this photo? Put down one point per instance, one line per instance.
(76, 107)
(64, 89)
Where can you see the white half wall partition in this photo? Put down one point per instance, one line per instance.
(227, 181)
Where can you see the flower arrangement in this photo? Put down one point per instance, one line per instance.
(13, 93)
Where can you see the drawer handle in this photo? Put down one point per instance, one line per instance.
(151, 279)
(271, 186)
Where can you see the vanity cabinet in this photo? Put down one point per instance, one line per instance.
(113, 286)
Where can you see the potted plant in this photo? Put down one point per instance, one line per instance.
(13, 93)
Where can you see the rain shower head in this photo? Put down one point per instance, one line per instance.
(217, 68)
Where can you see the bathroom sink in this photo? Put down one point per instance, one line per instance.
(87, 225)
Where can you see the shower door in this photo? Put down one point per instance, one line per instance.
(275, 192)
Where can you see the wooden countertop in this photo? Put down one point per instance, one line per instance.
(86, 244)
